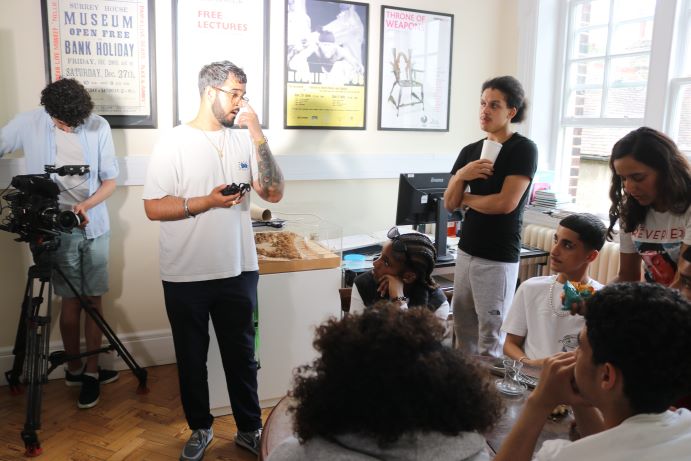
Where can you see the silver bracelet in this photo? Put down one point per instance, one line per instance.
(186, 208)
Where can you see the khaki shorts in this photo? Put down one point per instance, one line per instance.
(84, 262)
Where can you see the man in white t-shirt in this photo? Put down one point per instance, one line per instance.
(536, 325)
(629, 368)
(208, 258)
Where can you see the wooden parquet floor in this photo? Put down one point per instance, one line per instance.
(123, 426)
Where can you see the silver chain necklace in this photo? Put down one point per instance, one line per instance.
(555, 312)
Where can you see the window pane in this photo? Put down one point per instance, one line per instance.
(586, 151)
(591, 14)
(625, 102)
(584, 103)
(589, 43)
(587, 73)
(632, 69)
(633, 9)
(682, 123)
(686, 64)
(632, 37)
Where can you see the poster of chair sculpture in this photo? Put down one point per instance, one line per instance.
(415, 77)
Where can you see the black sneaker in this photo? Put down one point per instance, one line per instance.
(72, 379)
(197, 443)
(107, 376)
(91, 391)
(104, 377)
(250, 440)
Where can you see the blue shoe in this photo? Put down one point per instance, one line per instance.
(250, 440)
(197, 443)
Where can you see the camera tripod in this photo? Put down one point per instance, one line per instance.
(32, 346)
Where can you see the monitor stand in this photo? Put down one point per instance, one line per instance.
(440, 231)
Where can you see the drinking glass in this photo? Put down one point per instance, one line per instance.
(510, 384)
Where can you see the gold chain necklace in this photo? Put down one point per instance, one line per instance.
(223, 142)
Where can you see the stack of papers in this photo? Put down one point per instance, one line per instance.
(549, 199)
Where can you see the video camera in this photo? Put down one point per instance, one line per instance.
(34, 212)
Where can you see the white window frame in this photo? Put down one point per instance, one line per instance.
(541, 16)
(678, 81)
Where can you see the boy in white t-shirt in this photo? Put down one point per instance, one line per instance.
(536, 325)
(621, 381)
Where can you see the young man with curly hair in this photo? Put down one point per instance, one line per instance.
(384, 387)
(65, 131)
(630, 367)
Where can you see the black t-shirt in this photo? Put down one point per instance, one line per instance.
(497, 237)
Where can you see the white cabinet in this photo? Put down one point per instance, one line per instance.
(291, 305)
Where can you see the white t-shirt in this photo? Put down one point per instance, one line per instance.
(532, 316)
(658, 241)
(73, 188)
(218, 243)
(646, 437)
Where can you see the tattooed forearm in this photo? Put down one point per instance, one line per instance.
(270, 175)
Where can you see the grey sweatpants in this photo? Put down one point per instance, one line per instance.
(482, 294)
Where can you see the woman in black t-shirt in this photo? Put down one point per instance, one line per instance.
(493, 195)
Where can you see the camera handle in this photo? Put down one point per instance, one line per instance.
(32, 345)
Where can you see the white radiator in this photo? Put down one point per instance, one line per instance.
(603, 269)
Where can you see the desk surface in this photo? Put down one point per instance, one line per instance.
(527, 254)
(278, 427)
(553, 429)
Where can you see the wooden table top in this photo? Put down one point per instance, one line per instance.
(553, 429)
(278, 427)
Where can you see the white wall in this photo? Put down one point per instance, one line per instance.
(485, 45)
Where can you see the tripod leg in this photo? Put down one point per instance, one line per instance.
(108, 332)
(19, 350)
(37, 343)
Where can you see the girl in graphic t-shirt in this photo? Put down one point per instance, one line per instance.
(651, 194)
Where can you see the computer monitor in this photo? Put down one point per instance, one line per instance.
(421, 201)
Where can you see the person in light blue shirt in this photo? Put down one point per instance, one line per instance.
(66, 132)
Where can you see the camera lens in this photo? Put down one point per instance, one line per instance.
(67, 220)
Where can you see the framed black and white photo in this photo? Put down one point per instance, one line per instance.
(325, 64)
(415, 64)
(108, 45)
(207, 31)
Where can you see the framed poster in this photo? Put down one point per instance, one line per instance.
(325, 64)
(206, 31)
(108, 45)
(415, 76)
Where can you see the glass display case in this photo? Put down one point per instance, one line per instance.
(302, 242)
